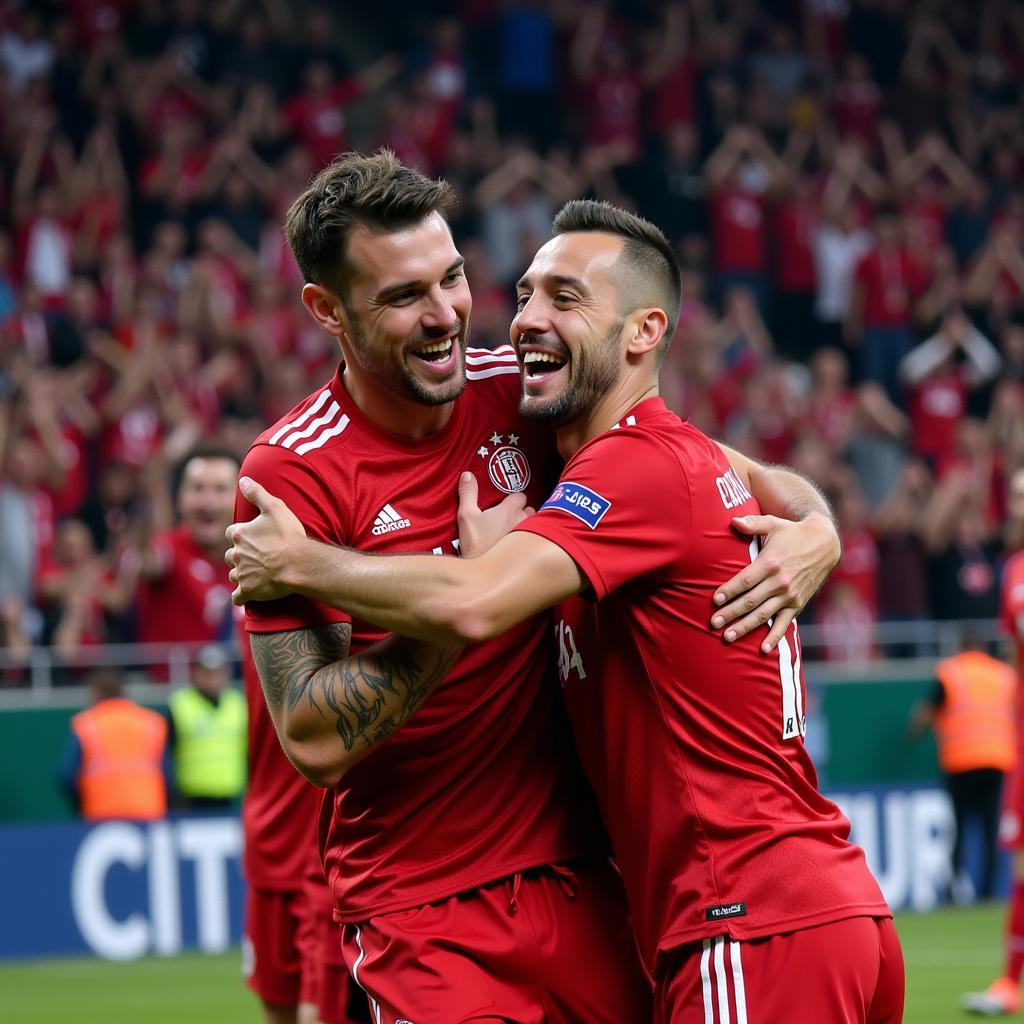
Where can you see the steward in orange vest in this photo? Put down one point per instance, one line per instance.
(116, 762)
(972, 710)
(975, 725)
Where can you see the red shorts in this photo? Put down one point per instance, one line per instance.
(290, 951)
(548, 946)
(846, 972)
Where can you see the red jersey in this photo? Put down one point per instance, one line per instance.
(612, 110)
(280, 807)
(693, 746)
(738, 230)
(795, 227)
(856, 103)
(482, 782)
(1011, 606)
(319, 122)
(191, 601)
(891, 281)
(858, 566)
(937, 405)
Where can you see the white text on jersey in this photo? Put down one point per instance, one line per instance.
(731, 490)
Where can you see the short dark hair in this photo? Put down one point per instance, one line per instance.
(648, 257)
(378, 192)
(203, 450)
(106, 682)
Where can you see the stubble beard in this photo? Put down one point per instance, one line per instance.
(592, 374)
(399, 378)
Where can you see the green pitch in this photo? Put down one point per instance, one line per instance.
(946, 952)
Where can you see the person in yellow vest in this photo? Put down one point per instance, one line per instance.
(207, 721)
(972, 710)
(115, 763)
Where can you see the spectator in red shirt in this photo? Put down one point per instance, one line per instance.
(184, 593)
(938, 384)
(858, 566)
(831, 402)
(886, 283)
(740, 172)
(797, 216)
(856, 101)
(78, 590)
(612, 83)
(316, 116)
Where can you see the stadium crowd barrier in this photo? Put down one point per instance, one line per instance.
(123, 889)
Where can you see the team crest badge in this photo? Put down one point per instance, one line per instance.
(507, 465)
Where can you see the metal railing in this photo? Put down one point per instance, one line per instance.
(47, 676)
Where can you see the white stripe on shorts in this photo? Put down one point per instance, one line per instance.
(716, 992)
(355, 974)
(737, 981)
(723, 986)
(705, 982)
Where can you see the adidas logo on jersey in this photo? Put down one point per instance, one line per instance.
(388, 521)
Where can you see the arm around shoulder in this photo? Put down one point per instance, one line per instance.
(451, 600)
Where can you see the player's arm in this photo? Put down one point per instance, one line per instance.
(801, 547)
(330, 708)
(439, 600)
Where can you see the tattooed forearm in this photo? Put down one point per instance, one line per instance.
(371, 696)
(285, 661)
(315, 691)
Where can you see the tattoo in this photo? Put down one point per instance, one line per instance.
(365, 697)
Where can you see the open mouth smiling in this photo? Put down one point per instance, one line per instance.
(435, 351)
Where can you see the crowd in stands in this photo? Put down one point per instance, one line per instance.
(843, 181)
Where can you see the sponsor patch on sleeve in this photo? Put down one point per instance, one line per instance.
(586, 505)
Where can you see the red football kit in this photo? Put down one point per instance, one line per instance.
(190, 601)
(1011, 620)
(693, 746)
(481, 784)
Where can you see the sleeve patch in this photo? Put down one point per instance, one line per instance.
(586, 505)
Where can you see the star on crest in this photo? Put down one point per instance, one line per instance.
(482, 452)
(513, 439)
(495, 438)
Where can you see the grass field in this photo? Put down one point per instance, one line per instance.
(946, 953)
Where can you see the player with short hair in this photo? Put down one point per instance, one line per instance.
(184, 596)
(747, 898)
(1003, 996)
(463, 856)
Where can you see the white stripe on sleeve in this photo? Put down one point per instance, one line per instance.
(311, 411)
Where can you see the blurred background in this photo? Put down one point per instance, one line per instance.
(843, 181)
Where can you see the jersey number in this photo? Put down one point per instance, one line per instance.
(794, 717)
(568, 657)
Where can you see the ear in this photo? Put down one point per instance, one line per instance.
(325, 308)
(646, 329)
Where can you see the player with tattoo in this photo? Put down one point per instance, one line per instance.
(749, 901)
(466, 863)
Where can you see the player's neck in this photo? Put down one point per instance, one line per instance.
(603, 416)
(403, 416)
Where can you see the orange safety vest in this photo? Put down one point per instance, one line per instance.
(122, 761)
(975, 727)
